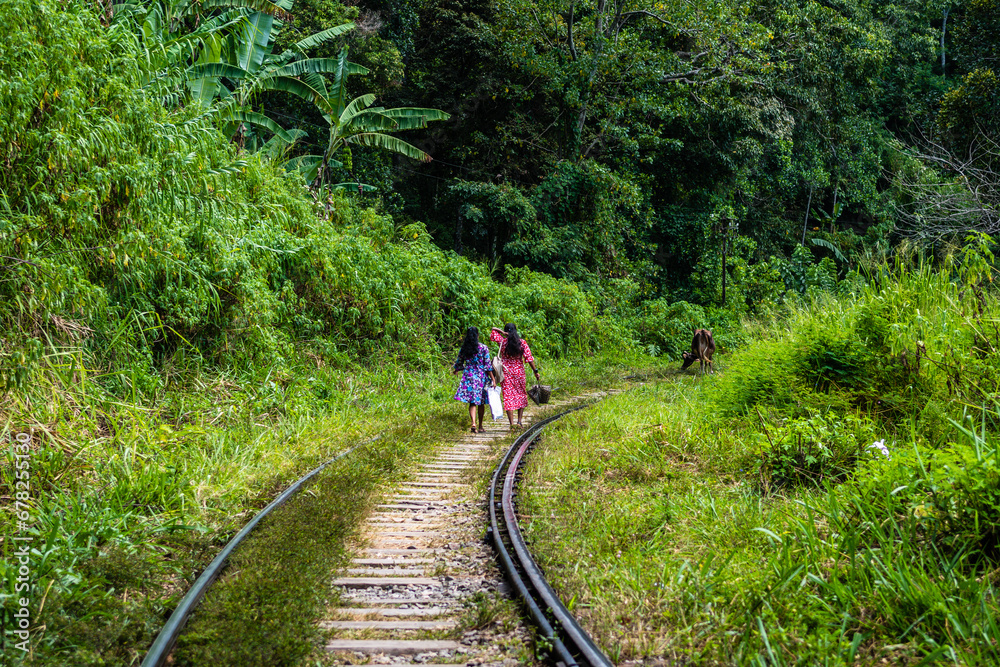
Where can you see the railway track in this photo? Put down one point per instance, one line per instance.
(422, 572)
(571, 645)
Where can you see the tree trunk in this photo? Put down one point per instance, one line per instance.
(725, 247)
(834, 216)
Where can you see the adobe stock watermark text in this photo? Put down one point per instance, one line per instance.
(22, 539)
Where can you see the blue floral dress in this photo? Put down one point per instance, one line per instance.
(472, 387)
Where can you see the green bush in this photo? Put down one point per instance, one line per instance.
(558, 313)
(952, 494)
(756, 376)
(665, 327)
(810, 450)
(826, 359)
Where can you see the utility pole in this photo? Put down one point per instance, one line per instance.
(944, 27)
(725, 222)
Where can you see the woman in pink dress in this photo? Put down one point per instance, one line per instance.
(514, 351)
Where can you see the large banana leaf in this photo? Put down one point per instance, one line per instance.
(308, 165)
(338, 88)
(309, 66)
(357, 105)
(410, 122)
(368, 121)
(122, 7)
(255, 37)
(152, 27)
(203, 90)
(223, 20)
(428, 114)
(211, 49)
(823, 243)
(316, 82)
(298, 88)
(314, 40)
(216, 70)
(385, 142)
(203, 78)
(276, 147)
(276, 10)
(258, 119)
(412, 118)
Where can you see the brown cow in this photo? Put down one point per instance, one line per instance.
(702, 348)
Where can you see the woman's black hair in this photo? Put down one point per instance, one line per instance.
(512, 348)
(470, 345)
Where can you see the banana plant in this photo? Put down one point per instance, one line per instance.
(355, 122)
(172, 45)
(226, 59)
(250, 68)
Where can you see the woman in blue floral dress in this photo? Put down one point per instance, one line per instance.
(474, 365)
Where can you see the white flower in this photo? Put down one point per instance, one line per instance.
(880, 445)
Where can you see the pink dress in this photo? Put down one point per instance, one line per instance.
(514, 395)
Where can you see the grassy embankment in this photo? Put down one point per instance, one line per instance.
(747, 518)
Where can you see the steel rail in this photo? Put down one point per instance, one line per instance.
(164, 642)
(571, 645)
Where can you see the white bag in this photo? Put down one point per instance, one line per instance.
(496, 403)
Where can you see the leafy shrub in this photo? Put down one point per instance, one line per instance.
(802, 273)
(756, 375)
(810, 450)
(558, 312)
(953, 493)
(668, 325)
(753, 286)
(827, 358)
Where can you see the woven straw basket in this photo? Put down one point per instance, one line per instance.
(540, 393)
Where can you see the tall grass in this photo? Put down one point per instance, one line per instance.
(747, 518)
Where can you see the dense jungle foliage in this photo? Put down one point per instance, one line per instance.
(237, 236)
(651, 158)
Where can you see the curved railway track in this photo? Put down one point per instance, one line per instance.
(571, 645)
(422, 559)
(160, 650)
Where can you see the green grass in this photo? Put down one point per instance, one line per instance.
(744, 519)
